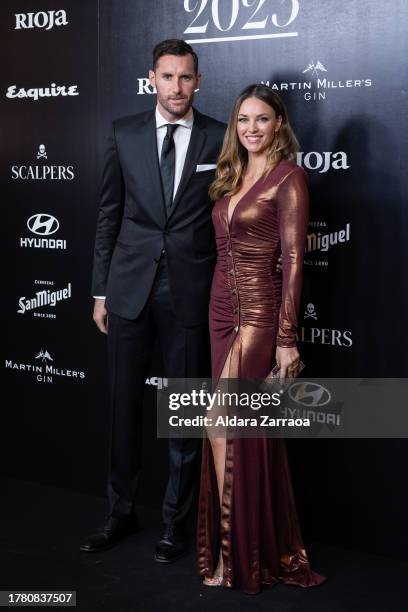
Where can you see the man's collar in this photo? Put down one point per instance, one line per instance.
(187, 121)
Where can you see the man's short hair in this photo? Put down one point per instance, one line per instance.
(174, 46)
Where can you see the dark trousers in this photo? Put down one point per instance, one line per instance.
(185, 353)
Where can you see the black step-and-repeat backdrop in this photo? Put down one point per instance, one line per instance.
(68, 69)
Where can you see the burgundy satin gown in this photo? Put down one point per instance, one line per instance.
(253, 308)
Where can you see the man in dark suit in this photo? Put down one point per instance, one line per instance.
(153, 266)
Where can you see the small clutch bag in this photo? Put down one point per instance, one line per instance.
(273, 378)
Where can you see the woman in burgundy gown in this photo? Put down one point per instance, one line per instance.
(248, 530)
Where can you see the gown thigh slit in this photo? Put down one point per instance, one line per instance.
(253, 309)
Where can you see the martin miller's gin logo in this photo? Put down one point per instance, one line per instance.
(44, 369)
(320, 82)
(314, 69)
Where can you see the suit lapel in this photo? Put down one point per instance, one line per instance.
(197, 140)
(148, 149)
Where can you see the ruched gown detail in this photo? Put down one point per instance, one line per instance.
(253, 308)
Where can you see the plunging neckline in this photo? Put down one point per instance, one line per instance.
(229, 220)
(263, 176)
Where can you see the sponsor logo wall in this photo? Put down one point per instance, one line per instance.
(337, 73)
(236, 42)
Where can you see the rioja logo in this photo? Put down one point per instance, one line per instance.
(323, 161)
(42, 19)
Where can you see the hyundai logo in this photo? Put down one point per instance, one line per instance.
(309, 394)
(43, 224)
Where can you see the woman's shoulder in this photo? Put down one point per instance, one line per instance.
(288, 167)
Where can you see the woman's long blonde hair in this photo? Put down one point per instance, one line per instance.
(233, 158)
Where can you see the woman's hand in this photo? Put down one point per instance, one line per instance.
(288, 360)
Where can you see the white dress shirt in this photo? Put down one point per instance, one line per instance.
(181, 138)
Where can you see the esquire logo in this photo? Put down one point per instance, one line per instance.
(43, 19)
(45, 298)
(36, 93)
(42, 171)
(320, 83)
(43, 225)
(44, 368)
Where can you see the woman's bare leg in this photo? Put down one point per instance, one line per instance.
(218, 447)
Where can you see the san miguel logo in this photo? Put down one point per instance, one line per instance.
(42, 299)
(319, 241)
(319, 82)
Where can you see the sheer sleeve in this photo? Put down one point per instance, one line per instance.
(293, 211)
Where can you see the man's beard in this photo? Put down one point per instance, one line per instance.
(181, 111)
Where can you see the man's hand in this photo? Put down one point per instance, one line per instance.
(100, 315)
(279, 264)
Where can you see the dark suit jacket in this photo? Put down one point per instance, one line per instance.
(133, 228)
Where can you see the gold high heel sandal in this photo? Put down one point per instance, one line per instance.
(216, 579)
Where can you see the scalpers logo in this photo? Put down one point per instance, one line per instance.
(42, 299)
(35, 93)
(310, 312)
(322, 335)
(42, 19)
(42, 172)
(322, 162)
(317, 88)
(43, 225)
(44, 369)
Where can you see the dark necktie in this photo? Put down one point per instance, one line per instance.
(167, 164)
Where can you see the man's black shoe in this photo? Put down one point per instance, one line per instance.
(171, 546)
(114, 530)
